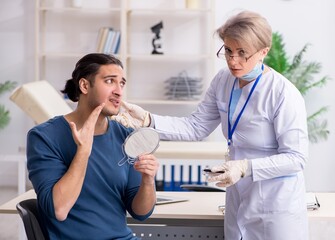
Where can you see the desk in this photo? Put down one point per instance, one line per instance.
(201, 205)
(201, 213)
(199, 216)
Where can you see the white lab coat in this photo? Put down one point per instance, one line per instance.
(272, 133)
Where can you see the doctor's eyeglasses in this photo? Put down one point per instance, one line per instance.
(227, 55)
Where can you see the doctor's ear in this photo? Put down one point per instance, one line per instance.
(265, 51)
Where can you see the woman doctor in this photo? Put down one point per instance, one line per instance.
(263, 118)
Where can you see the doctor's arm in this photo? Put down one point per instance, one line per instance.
(199, 125)
(290, 126)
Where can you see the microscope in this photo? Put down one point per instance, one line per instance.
(156, 29)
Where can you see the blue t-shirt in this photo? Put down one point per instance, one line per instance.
(108, 189)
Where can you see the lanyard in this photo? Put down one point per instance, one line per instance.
(231, 130)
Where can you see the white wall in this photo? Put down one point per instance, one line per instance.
(300, 22)
(16, 57)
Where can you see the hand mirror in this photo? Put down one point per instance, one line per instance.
(140, 141)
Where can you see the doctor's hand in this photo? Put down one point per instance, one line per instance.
(232, 170)
(133, 116)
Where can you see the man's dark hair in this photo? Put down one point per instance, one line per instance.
(87, 67)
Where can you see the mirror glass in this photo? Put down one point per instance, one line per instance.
(140, 141)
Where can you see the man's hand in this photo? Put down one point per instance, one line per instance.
(84, 136)
(233, 171)
(132, 116)
(147, 164)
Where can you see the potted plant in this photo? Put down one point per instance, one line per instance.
(4, 113)
(301, 74)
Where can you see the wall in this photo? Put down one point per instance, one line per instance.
(16, 57)
(300, 21)
(16, 53)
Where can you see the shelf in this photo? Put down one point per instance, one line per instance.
(82, 9)
(64, 34)
(183, 11)
(167, 57)
(66, 55)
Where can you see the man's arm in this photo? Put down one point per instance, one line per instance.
(145, 198)
(66, 191)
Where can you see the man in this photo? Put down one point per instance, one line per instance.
(82, 192)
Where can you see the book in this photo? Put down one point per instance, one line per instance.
(109, 41)
(102, 37)
(116, 43)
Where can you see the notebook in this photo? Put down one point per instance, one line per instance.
(168, 199)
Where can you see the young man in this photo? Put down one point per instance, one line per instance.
(82, 192)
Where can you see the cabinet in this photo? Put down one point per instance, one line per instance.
(68, 29)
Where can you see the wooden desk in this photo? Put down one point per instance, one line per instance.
(201, 205)
(201, 216)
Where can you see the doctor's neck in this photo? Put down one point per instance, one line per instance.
(244, 82)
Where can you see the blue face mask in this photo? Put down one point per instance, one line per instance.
(254, 73)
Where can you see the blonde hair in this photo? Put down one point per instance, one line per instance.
(248, 29)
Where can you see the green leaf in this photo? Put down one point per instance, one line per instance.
(297, 59)
(277, 58)
(7, 86)
(4, 114)
(317, 131)
(4, 117)
(302, 74)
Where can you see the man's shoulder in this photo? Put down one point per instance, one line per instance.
(53, 124)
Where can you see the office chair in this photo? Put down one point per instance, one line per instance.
(40, 100)
(33, 226)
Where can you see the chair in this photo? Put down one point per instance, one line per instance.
(33, 225)
(40, 100)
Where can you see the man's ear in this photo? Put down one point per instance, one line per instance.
(83, 85)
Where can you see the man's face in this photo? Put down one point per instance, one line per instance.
(108, 89)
